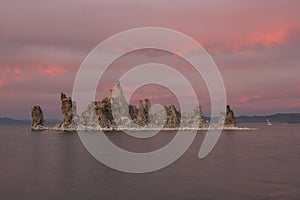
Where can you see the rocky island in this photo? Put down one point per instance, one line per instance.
(37, 118)
(114, 113)
(68, 110)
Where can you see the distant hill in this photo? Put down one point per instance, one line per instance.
(289, 118)
(8, 121)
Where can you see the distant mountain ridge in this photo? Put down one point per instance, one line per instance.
(279, 117)
(11, 121)
(7, 121)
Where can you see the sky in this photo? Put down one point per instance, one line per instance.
(255, 44)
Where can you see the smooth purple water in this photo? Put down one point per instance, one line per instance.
(262, 164)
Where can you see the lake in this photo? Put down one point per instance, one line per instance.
(260, 164)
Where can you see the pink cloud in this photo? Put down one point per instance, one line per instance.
(249, 42)
(246, 99)
(52, 70)
(47, 69)
(17, 70)
(2, 83)
(271, 38)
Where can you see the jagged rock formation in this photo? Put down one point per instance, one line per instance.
(159, 118)
(37, 118)
(141, 115)
(68, 109)
(133, 112)
(173, 117)
(147, 107)
(98, 113)
(104, 113)
(230, 119)
(221, 120)
(110, 112)
(194, 119)
(113, 112)
(198, 118)
(88, 116)
(119, 105)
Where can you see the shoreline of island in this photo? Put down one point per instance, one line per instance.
(41, 128)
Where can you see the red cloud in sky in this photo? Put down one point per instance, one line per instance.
(250, 42)
(47, 69)
(17, 70)
(247, 98)
(51, 70)
(269, 39)
(2, 83)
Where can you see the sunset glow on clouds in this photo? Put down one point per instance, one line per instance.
(273, 38)
(50, 70)
(255, 44)
(247, 99)
(252, 41)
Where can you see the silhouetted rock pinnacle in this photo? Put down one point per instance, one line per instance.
(68, 109)
(37, 118)
(230, 119)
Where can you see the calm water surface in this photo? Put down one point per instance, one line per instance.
(261, 164)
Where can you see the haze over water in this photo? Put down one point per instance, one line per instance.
(261, 164)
